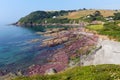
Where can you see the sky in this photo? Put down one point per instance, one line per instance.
(12, 10)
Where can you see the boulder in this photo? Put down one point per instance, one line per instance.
(50, 71)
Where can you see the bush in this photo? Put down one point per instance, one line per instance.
(117, 16)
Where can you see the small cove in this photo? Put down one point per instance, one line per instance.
(18, 50)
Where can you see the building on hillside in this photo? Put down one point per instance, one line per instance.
(110, 19)
(54, 17)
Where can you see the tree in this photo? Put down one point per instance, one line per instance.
(97, 13)
(117, 16)
(84, 9)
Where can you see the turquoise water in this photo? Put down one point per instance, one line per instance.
(16, 46)
(16, 41)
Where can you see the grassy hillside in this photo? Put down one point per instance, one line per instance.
(40, 17)
(78, 14)
(99, 72)
(110, 29)
(95, 27)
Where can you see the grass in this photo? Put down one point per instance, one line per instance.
(112, 30)
(99, 72)
(95, 27)
(112, 34)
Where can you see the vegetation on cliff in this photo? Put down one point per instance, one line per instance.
(110, 29)
(99, 72)
(39, 17)
(67, 16)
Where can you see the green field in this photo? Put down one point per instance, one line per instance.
(112, 30)
(95, 27)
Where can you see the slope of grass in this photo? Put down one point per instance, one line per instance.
(99, 72)
(95, 27)
(112, 30)
(79, 14)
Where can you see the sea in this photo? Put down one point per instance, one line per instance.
(20, 45)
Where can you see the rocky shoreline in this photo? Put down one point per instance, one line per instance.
(76, 43)
(81, 24)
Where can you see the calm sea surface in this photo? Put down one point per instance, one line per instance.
(17, 45)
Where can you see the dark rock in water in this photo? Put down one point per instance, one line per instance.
(14, 23)
(50, 71)
(1, 73)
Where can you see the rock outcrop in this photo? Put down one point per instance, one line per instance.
(50, 71)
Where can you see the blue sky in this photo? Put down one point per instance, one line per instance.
(12, 10)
